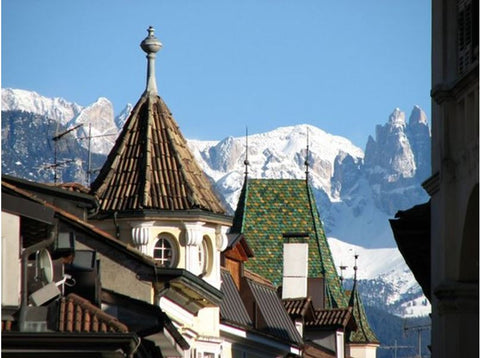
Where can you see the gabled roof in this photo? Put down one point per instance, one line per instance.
(180, 285)
(232, 309)
(299, 307)
(274, 319)
(271, 209)
(151, 166)
(332, 318)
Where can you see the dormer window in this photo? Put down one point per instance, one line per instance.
(165, 251)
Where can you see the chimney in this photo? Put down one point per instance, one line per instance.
(295, 270)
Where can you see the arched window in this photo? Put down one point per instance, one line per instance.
(204, 256)
(165, 252)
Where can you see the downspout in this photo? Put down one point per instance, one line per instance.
(25, 254)
(117, 227)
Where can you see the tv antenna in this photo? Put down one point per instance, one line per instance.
(89, 162)
(55, 139)
(418, 329)
(396, 347)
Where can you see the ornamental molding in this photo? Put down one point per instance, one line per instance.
(221, 239)
(457, 297)
(193, 233)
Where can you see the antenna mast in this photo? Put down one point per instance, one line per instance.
(55, 140)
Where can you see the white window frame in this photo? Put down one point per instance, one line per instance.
(165, 261)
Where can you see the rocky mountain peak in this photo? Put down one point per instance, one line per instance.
(397, 118)
(417, 116)
(356, 192)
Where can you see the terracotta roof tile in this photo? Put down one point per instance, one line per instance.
(335, 317)
(297, 306)
(151, 166)
(77, 314)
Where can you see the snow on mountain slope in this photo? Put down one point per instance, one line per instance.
(385, 274)
(97, 120)
(56, 109)
(280, 153)
(356, 193)
(355, 199)
(372, 263)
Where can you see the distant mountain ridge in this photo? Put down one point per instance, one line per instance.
(356, 191)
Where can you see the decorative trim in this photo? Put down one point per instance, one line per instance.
(257, 339)
(221, 239)
(449, 91)
(193, 233)
(432, 184)
(457, 297)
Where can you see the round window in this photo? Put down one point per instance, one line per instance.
(165, 252)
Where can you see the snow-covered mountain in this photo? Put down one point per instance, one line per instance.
(384, 278)
(356, 191)
(96, 121)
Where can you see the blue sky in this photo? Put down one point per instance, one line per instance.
(342, 66)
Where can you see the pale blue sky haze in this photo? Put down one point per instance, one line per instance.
(340, 65)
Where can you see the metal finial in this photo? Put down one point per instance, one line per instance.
(307, 164)
(246, 162)
(342, 268)
(355, 268)
(151, 46)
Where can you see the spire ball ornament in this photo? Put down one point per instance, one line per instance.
(151, 44)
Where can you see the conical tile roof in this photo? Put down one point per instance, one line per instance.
(150, 166)
(270, 208)
(364, 333)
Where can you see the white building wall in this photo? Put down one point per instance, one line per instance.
(11, 263)
(363, 351)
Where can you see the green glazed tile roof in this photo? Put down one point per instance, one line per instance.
(364, 333)
(268, 209)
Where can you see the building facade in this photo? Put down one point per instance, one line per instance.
(453, 186)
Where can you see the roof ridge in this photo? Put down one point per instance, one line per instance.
(252, 276)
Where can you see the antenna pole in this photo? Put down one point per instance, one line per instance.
(55, 162)
(419, 330)
(89, 153)
(55, 139)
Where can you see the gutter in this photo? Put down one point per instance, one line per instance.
(256, 338)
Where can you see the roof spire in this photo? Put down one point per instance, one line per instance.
(342, 268)
(151, 45)
(307, 155)
(246, 162)
(352, 295)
